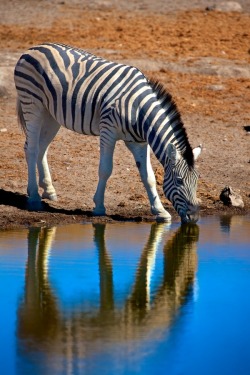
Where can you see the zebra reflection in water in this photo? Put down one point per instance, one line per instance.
(43, 327)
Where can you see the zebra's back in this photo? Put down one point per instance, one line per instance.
(76, 87)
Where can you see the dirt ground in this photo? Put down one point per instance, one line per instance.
(199, 53)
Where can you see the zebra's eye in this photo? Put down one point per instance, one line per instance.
(179, 181)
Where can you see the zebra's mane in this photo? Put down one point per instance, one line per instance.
(167, 102)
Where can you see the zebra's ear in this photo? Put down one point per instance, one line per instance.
(197, 152)
(172, 153)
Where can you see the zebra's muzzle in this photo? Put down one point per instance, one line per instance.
(191, 216)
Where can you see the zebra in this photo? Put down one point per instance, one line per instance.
(59, 85)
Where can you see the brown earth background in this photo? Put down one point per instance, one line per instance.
(198, 49)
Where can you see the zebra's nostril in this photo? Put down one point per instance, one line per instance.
(194, 217)
(191, 215)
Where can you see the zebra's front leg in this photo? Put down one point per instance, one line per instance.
(45, 181)
(141, 153)
(105, 171)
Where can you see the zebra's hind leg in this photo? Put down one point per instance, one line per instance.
(49, 130)
(31, 148)
(141, 153)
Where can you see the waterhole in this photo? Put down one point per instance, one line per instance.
(127, 298)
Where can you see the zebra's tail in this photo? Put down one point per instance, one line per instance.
(20, 116)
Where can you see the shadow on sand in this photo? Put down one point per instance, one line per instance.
(8, 198)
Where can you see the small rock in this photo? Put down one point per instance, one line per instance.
(121, 204)
(3, 92)
(247, 128)
(233, 71)
(216, 87)
(229, 6)
(3, 130)
(210, 7)
(230, 198)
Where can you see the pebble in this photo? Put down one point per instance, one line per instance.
(229, 6)
(216, 87)
(226, 6)
(230, 198)
(3, 130)
(247, 129)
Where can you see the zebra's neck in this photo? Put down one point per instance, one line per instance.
(161, 124)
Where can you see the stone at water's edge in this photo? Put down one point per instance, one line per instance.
(230, 198)
(229, 6)
(226, 6)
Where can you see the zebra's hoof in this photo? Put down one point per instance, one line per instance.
(34, 205)
(163, 218)
(51, 197)
(99, 212)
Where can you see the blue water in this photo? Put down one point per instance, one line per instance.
(126, 298)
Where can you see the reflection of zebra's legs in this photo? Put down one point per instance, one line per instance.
(141, 153)
(105, 270)
(139, 300)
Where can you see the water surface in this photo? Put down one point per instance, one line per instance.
(128, 298)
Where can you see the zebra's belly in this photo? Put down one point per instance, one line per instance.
(81, 121)
(85, 128)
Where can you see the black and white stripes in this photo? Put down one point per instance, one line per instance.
(60, 85)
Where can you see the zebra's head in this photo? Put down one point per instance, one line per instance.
(180, 184)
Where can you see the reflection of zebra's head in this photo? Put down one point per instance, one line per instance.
(180, 184)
